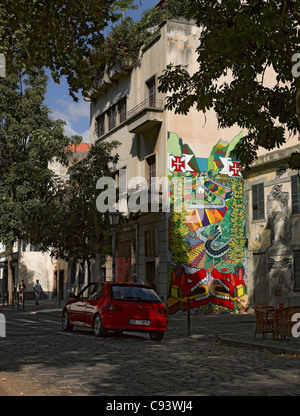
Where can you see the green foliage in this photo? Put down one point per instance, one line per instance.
(60, 35)
(241, 39)
(294, 162)
(128, 36)
(29, 141)
(76, 229)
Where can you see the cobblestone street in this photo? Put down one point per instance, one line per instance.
(54, 363)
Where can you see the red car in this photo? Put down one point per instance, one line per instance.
(107, 306)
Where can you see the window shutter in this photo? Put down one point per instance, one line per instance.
(258, 201)
(295, 194)
(297, 270)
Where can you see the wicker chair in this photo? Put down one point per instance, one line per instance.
(283, 321)
(265, 316)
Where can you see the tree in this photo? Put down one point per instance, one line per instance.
(241, 40)
(75, 229)
(128, 36)
(60, 35)
(29, 140)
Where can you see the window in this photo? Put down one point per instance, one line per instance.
(122, 110)
(151, 92)
(112, 117)
(295, 194)
(116, 114)
(150, 168)
(86, 292)
(123, 181)
(149, 243)
(258, 202)
(100, 125)
(297, 271)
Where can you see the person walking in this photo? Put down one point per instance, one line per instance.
(37, 291)
(21, 290)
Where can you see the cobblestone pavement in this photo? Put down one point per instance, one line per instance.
(221, 357)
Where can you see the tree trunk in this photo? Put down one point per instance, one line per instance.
(89, 270)
(10, 282)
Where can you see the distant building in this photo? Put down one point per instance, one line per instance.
(57, 277)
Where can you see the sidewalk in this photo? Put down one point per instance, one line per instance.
(233, 330)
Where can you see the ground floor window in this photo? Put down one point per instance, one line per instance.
(297, 271)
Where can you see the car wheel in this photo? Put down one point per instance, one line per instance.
(156, 335)
(99, 331)
(66, 326)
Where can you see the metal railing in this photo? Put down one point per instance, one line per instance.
(148, 103)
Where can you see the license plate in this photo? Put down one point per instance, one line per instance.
(139, 322)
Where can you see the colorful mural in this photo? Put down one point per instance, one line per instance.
(206, 230)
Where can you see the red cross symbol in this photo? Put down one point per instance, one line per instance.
(234, 167)
(178, 164)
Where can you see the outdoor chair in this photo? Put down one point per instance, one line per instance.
(265, 315)
(283, 321)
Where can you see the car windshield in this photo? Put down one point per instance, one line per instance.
(134, 294)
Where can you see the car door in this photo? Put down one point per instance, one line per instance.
(91, 306)
(78, 308)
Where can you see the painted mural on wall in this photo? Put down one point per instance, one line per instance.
(206, 230)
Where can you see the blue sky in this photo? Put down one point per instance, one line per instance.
(77, 115)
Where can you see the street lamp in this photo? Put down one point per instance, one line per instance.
(114, 221)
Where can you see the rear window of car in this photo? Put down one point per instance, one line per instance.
(134, 294)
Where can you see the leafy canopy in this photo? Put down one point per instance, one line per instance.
(76, 229)
(60, 35)
(127, 37)
(29, 140)
(239, 41)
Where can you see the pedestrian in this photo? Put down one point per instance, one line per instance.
(37, 291)
(135, 279)
(21, 290)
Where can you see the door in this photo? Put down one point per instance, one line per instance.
(77, 308)
(93, 302)
(150, 273)
(61, 278)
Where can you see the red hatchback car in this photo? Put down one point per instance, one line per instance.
(107, 306)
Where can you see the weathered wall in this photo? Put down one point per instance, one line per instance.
(275, 239)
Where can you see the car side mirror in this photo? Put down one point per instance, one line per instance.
(72, 296)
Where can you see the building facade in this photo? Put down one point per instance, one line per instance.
(207, 247)
(273, 230)
(176, 250)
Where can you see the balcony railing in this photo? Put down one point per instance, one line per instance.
(148, 103)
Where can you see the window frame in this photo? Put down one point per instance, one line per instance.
(296, 270)
(258, 202)
(112, 114)
(122, 110)
(101, 131)
(151, 90)
(295, 194)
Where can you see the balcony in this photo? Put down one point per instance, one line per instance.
(110, 75)
(145, 116)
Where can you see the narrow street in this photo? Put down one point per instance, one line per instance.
(39, 359)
